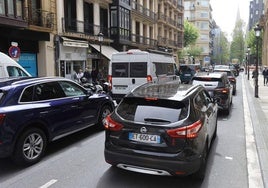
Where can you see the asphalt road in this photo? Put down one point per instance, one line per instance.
(78, 161)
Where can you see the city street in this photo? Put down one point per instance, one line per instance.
(78, 161)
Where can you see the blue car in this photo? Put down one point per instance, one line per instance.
(36, 111)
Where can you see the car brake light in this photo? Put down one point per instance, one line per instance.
(110, 82)
(223, 90)
(190, 131)
(2, 118)
(149, 78)
(111, 125)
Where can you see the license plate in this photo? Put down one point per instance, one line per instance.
(187, 75)
(120, 88)
(145, 138)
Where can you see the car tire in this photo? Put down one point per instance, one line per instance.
(105, 110)
(30, 147)
(200, 174)
(215, 131)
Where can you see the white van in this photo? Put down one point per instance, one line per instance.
(132, 68)
(10, 68)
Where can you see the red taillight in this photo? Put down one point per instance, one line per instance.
(111, 125)
(110, 82)
(223, 90)
(149, 78)
(190, 131)
(2, 118)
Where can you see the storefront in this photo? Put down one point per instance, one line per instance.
(72, 56)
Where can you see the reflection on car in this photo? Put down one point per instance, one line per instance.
(36, 111)
(218, 86)
(162, 129)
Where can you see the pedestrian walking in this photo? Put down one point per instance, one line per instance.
(80, 74)
(265, 76)
(94, 75)
(87, 75)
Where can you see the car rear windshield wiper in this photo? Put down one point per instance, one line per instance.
(155, 120)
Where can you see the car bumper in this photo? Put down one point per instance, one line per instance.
(150, 164)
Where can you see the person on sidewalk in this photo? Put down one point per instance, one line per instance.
(254, 73)
(265, 75)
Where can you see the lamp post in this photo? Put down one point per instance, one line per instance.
(257, 30)
(246, 71)
(100, 39)
(248, 61)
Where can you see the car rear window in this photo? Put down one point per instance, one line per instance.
(133, 70)
(152, 111)
(164, 68)
(120, 69)
(229, 73)
(207, 80)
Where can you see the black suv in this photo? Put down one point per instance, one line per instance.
(162, 129)
(218, 86)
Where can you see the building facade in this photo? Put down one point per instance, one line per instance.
(29, 25)
(256, 10)
(199, 13)
(58, 37)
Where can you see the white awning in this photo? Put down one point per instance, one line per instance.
(107, 51)
(74, 43)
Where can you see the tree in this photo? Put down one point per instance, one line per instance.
(237, 50)
(222, 54)
(191, 34)
(251, 41)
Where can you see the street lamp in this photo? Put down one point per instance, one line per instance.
(257, 30)
(100, 39)
(248, 52)
(246, 71)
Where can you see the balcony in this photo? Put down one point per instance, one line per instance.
(142, 11)
(41, 18)
(76, 27)
(143, 41)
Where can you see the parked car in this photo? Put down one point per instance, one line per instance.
(187, 71)
(162, 129)
(231, 77)
(36, 111)
(218, 86)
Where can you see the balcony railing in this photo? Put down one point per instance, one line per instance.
(143, 11)
(163, 41)
(76, 26)
(39, 17)
(138, 39)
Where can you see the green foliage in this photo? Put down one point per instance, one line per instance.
(223, 54)
(238, 43)
(251, 41)
(191, 34)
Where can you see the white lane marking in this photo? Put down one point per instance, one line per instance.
(48, 184)
(253, 165)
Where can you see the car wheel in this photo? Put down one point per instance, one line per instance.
(200, 174)
(105, 111)
(30, 147)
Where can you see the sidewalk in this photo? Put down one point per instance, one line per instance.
(259, 115)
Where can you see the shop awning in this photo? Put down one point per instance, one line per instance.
(107, 51)
(74, 43)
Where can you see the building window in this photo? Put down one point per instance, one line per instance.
(2, 7)
(19, 8)
(10, 7)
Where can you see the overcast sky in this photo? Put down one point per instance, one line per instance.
(224, 13)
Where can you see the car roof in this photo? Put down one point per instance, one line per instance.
(33, 80)
(210, 74)
(169, 90)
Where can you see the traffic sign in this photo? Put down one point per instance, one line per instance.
(14, 51)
